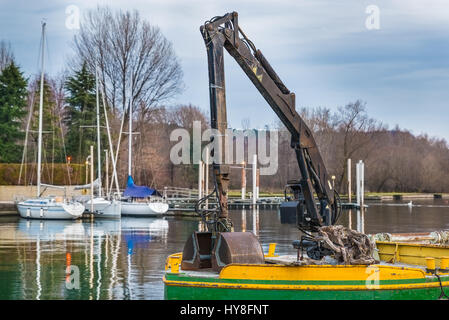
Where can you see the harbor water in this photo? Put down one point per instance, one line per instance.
(125, 258)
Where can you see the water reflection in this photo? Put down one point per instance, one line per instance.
(111, 256)
(50, 230)
(243, 220)
(256, 220)
(124, 259)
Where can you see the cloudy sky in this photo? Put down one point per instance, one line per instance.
(322, 50)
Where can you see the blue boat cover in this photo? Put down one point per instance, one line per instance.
(138, 191)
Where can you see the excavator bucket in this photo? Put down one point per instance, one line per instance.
(236, 247)
(230, 247)
(197, 251)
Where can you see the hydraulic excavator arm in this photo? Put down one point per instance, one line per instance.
(224, 33)
(216, 248)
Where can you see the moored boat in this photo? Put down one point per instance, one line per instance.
(134, 208)
(280, 278)
(51, 208)
(142, 201)
(103, 208)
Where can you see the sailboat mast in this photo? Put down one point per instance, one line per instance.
(41, 104)
(130, 135)
(98, 133)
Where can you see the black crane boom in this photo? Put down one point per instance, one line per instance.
(224, 33)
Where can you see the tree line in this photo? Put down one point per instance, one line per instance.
(136, 65)
(395, 159)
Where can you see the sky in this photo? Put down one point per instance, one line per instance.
(330, 53)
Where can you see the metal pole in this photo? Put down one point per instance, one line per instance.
(357, 169)
(254, 179)
(130, 130)
(362, 196)
(200, 179)
(98, 133)
(114, 167)
(106, 156)
(362, 220)
(203, 169)
(362, 183)
(41, 104)
(206, 176)
(349, 181)
(91, 179)
(257, 183)
(243, 220)
(254, 221)
(87, 170)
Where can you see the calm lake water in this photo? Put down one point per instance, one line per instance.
(124, 259)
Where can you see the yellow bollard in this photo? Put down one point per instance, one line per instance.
(430, 263)
(173, 264)
(444, 265)
(271, 249)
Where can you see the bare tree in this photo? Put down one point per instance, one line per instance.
(128, 49)
(356, 130)
(6, 55)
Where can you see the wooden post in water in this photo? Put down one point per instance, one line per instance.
(243, 180)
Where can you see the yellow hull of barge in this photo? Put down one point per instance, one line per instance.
(280, 281)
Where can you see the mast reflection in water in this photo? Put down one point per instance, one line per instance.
(124, 258)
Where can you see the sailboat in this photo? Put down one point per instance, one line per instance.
(100, 206)
(47, 207)
(140, 200)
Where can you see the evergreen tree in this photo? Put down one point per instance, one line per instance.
(13, 101)
(81, 112)
(52, 144)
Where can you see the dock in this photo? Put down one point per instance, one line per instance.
(7, 208)
(185, 205)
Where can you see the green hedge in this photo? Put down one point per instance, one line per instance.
(51, 174)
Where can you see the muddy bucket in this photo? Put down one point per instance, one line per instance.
(236, 247)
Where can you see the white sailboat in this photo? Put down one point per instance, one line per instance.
(47, 207)
(140, 200)
(101, 207)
